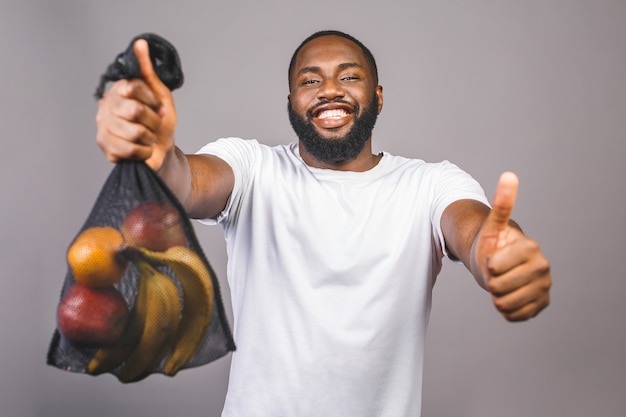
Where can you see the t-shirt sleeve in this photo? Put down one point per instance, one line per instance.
(452, 184)
(241, 155)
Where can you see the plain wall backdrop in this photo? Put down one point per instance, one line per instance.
(536, 86)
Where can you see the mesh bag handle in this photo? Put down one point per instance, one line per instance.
(163, 55)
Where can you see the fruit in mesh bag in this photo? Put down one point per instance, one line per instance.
(154, 225)
(158, 325)
(95, 258)
(158, 306)
(92, 316)
(197, 286)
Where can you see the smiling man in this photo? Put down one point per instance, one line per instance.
(332, 250)
(334, 101)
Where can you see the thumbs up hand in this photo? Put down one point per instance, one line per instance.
(136, 118)
(514, 269)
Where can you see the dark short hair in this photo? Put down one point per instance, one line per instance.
(368, 54)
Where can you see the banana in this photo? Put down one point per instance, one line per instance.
(158, 303)
(106, 359)
(198, 292)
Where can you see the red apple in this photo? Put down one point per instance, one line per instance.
(92, 316)
(154, 225)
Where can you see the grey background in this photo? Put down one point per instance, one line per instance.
(537, 87)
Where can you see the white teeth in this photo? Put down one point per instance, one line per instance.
(332, 114)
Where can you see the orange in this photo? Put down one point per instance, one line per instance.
(94, 257)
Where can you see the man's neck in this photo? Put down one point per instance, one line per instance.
(364, 161)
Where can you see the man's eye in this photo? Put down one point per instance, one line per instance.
(350, 78)
(308, 82)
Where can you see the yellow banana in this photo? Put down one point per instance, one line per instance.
(159, 303)
(198, 302)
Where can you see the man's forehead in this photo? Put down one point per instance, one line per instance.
(330, 46)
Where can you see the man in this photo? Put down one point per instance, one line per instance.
(333, 250)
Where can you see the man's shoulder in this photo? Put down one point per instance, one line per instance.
(399, 162)
(234, 142)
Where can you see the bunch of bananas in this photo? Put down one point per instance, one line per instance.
(160, 327)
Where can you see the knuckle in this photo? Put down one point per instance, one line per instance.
(134, 110)
(494, 286)
(532, 244)
(100, 113)
(100, 139)
(103, 139)
(515, 318)
(532, 247)
(526, 311)
(546, 284)
(543, 269)
(511, 317)
(120, 88)
(500, 305)
(521, 314)
(139, 134)
(544, 265)
(135, 131)
(140, 153)
(126, 87)
(99, 117)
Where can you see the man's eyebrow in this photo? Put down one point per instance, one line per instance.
(349, 65)
(316, 69)
(309, 69)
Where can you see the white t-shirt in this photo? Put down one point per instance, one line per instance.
(331, 275)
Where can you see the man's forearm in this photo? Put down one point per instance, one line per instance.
(176, 174)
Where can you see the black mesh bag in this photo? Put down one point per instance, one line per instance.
(139, 296)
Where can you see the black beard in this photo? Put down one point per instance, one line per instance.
(338, 150)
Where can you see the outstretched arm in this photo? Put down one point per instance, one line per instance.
(136, 119)
(503, 260)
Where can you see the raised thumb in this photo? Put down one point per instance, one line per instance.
(142, 52)
(502, 206)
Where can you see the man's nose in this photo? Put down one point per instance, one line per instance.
(330, 89)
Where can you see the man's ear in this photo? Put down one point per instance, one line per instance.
(379, 93)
